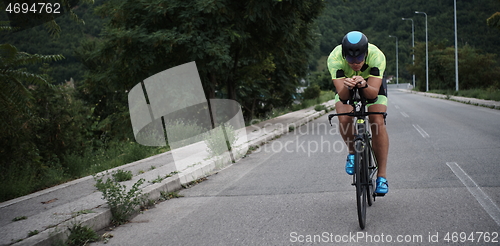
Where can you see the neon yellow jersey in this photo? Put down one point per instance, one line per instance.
(374, 64)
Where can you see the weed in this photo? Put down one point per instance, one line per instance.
(121, 175)
(320, 107)
(122, 203)
(169, 195)
(18, 218)
(85, 211)
(149, 203)
(184, 132)
(106, 236)
(193, 183)
(81, 235)
(251, 149)
(193, 165)
(159, 178)
(220, 139)
(32, 233)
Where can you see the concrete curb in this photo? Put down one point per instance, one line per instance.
(101, 216)
(466, 100)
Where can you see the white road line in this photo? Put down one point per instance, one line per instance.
(404, 114)
(396, 106)
(489, 206)
(421, 131)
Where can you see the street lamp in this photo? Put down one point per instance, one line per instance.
(397, 69)
(412, 44)
(426, 53)
(456, 46)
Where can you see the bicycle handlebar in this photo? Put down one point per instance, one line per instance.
(356, 98)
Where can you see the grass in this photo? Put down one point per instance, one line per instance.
(121, 175)
(23, 180)
(81, 235)
(20, 218)
(169, 195)
(32, 233)
(486, 94)
(325, 96)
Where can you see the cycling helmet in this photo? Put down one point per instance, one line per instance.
(354, 46)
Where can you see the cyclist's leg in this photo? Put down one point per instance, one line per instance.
(380, 138)
(346, 129)
(346, 126)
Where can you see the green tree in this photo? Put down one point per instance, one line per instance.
(476, 68)
(227, 39)
(18, 117)
(16, 99)
(24, 121)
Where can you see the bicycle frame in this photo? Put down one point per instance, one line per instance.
(365, 161)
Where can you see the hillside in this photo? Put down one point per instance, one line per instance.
(380, 18)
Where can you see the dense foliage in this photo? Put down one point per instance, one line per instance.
(253, 52)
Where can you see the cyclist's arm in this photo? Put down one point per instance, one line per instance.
(341, 88)
(371, 92)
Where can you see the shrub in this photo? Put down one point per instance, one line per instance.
(216, 139)
(312, 92)
(122, 203)
(320, 107)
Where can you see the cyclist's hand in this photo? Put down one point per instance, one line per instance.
(349, 83)
(359, 81)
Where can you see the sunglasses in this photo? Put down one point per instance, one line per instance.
(357, 59)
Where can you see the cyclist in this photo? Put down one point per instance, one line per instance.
(357, 63)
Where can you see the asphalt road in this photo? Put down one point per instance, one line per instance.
(444, 162)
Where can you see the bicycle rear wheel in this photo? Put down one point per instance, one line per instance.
(361, 181)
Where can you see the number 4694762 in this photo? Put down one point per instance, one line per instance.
(36, 8)
(462, 237)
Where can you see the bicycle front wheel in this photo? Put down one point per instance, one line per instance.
(370, 169)
(361, 183)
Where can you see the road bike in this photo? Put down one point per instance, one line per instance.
(365, 163)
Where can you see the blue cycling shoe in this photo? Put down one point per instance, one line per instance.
(349, 165)
(382, 186)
